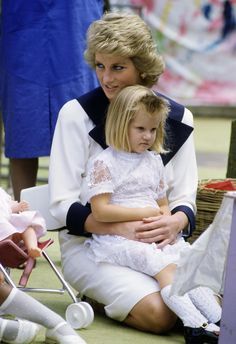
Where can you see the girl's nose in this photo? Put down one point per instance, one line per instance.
(147, 135)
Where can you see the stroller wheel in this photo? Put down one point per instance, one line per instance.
(79, 315)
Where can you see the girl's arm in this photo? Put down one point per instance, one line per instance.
(164, 206)
(103, 211)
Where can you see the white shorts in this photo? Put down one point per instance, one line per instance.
(119, 289)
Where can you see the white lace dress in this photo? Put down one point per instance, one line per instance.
(134, 180)
(11, 223)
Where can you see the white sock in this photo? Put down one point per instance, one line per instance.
(183, 307)
(212, 328)
(204, 299)
(11, 330)
(26, 307)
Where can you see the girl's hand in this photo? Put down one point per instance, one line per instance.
(162, 229)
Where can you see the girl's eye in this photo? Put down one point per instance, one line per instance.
(154, 130)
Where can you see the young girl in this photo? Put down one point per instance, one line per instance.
(126, 183)
(18, 223)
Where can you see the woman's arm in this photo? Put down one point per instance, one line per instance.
(68, 159)
(104, 211)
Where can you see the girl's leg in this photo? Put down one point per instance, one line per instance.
(182, 306)
(31, 242)
(204, 299)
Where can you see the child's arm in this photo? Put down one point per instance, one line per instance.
(164, 206)
(103, 211)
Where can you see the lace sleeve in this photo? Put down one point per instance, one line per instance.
(99, 179)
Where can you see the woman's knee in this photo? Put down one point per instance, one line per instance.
(152, 315)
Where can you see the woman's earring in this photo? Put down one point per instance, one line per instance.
(143, 75)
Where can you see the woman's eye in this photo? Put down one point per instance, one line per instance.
(118, 67)
(99, 65)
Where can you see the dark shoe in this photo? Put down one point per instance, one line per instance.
(199, 336)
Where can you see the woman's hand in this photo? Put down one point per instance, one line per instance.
(161, 229)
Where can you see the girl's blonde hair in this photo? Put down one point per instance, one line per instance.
(123, 109)
(126, 35)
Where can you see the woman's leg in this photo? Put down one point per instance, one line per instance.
(127, 295)
(152, 315)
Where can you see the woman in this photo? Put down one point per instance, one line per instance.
(121, 49)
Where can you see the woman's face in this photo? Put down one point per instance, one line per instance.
(115, 73)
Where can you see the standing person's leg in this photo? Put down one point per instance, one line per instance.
(23, 174)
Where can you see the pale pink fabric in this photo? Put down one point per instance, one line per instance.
(11, 223)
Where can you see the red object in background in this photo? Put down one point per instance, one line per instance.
(226, 185)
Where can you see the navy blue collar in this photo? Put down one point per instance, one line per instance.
(95, 104)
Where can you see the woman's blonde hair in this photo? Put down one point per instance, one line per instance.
(123, 109)
(125, 35)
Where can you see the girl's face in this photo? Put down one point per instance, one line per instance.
(115, 73)
(142, 131)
